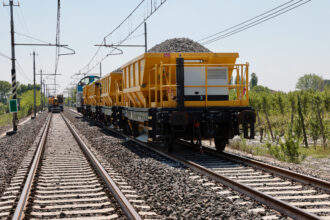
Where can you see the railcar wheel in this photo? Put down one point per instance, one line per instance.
(220, 143)
(169, 142)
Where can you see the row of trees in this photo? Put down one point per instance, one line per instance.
(302, 115)
(5, 92)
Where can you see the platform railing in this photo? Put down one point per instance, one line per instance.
(163, 90)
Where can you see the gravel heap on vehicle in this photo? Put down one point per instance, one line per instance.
(178, 45)
(13, 148)
(165, 185)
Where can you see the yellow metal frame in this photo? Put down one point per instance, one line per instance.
(111, 88)
(150, 81)
(162, 92)
(161, 87)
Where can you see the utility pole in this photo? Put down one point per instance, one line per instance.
(100, 69)
(145, 37)
(13, 60)
(34, 86)
(72, 95)
(41, 99)
(45, 94)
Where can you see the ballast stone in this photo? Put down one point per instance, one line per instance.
(179, 45)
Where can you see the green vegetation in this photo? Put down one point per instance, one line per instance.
(24, 94)
(71, 99)
(316, 152)
(310, 81)
(291, 126)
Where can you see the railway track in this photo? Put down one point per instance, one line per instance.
(293, 194)
(296, 195)
(65, 180)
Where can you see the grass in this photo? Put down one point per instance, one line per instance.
(287, 151)
(242, 145)
(5, 119)
(26, 106)
(316, 152)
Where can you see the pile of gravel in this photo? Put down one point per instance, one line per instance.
(14, 148)
(179, 45)
(165, 185)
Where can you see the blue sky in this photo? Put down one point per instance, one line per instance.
(279, 51)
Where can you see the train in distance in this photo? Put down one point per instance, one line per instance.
(55, 103)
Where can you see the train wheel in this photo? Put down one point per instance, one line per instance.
(169, 141)
(220, 143)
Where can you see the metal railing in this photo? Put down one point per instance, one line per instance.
(162, 87)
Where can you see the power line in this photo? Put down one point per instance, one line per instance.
(103, 41)
(30, 37)
(244, 22)
(254, 23)
(22, 71)
(156, 5)
(5, 56)
(19, 66)
(24, 20)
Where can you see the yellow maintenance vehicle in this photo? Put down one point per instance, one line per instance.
(55, 103)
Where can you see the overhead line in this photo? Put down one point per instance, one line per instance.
(252, 24)
(22, 71)
(33, 38)
(103, 41)
(5, 56)
(125, 19)
(121, 41)
(246, 21)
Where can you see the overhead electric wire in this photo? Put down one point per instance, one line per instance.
(24, 20)
(104, 39)
(124, 19)
(246, 21)
(5, 56)
(120, 41)
(33, 38)
(259, 21)
(22, 71)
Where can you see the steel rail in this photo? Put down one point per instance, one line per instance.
(23, 200)
(322, 184)
(283, 207)
(127, 207)
(302, 178)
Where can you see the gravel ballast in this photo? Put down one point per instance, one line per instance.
(178, 45)
(13, 148)
(165, 185)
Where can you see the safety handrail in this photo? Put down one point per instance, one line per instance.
(160, 85)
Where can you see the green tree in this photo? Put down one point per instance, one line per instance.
(253, 81)
(310, 81)
(4, 91)
(260, 89)
(24, 88)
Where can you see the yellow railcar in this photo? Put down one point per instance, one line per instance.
(151, 81)
(168, 96)
(111, 87)
(111, 97)
(55, 103)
